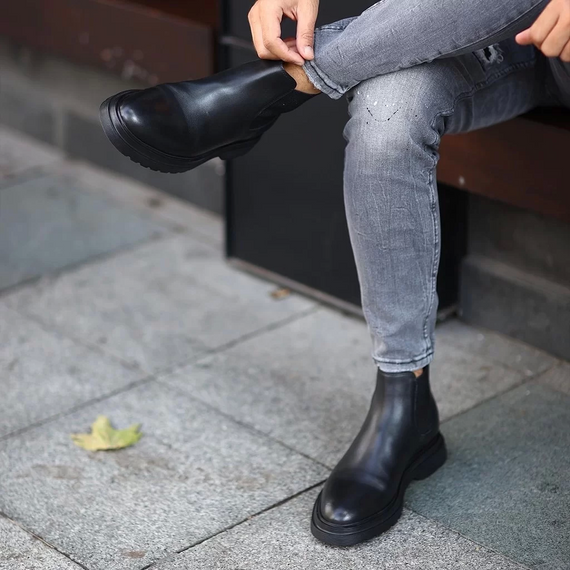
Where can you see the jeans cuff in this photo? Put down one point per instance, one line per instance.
(407, 366)
(322, 82)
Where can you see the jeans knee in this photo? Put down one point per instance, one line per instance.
(391, 114)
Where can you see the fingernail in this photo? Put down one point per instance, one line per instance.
(308, 51)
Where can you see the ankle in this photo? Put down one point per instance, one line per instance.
(299, 75)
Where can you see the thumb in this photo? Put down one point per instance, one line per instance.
(523, 38)
(306, 20)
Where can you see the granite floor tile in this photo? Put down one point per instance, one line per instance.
(309, 383)
(43, 374)
(164, 207)
(193, 473)
(495, 347)
(21, 551)
(281, 539)
(507, 481)
(461, 379)
(160, 304)
(48, 223)
(558, 377)
(19, 153)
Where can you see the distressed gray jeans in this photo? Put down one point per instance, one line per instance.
(413, 71)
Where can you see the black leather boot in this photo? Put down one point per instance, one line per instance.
(399, 442)
(175, 127)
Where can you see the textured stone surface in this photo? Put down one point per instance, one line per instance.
(18, 153)
(27, 111)
(202, 186)
(43, 373)
(520, 238)
(193, 473)
(557, 377)
(309, 383)
(48, 223)
(494, 347)
(180, 214)
(160, 304)
(281, 539)
(516, 303)
(506, 483)
(21, 551)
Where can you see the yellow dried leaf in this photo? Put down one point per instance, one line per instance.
(103, 436)
(281, 293)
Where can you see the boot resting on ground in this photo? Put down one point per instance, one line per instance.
(398, 442)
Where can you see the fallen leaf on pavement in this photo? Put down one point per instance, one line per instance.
(281, 293)
(103, 436)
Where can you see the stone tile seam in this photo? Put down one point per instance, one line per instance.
(537, 378)
(245, 425)
(148, 378)
(58, 331)
(42, 540)
(524, 380)
(470, 540)
(234, 525)
(28, 174)
(189, 397)
(156, 215)
(83, 405)
(270, 327)
(65, 169)
(95, 259)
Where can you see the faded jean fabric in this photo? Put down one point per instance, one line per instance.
(413, 71)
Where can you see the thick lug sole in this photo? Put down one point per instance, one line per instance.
(141, 153)
(424, 465)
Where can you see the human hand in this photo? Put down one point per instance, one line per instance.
(265, 21)
(550, 33)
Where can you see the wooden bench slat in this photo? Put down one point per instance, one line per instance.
(524, 162)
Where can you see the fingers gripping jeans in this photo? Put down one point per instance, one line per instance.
(395, 126)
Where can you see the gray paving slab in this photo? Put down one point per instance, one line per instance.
(558, 377)
(43, 374)
(554, 566)
(507, 482)
(48, 223)
(19, 153)
(21, 551)
(170, 209)
(309, 383)
(158, 305)
(281, 539)
(495, 347)
(193, 474)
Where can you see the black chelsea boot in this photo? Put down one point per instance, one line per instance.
(175, 127)
(398, 442)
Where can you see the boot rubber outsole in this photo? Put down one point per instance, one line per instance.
(427, 462)
(141, 153)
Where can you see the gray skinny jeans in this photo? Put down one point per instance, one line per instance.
(413, 71)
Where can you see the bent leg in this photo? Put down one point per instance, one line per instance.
(397, 34)
(391, 202)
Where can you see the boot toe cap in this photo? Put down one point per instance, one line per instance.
(348, 501)
(155, 119)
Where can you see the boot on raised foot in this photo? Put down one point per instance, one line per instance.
(175, 127)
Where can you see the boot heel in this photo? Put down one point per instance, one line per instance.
(432, 462)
